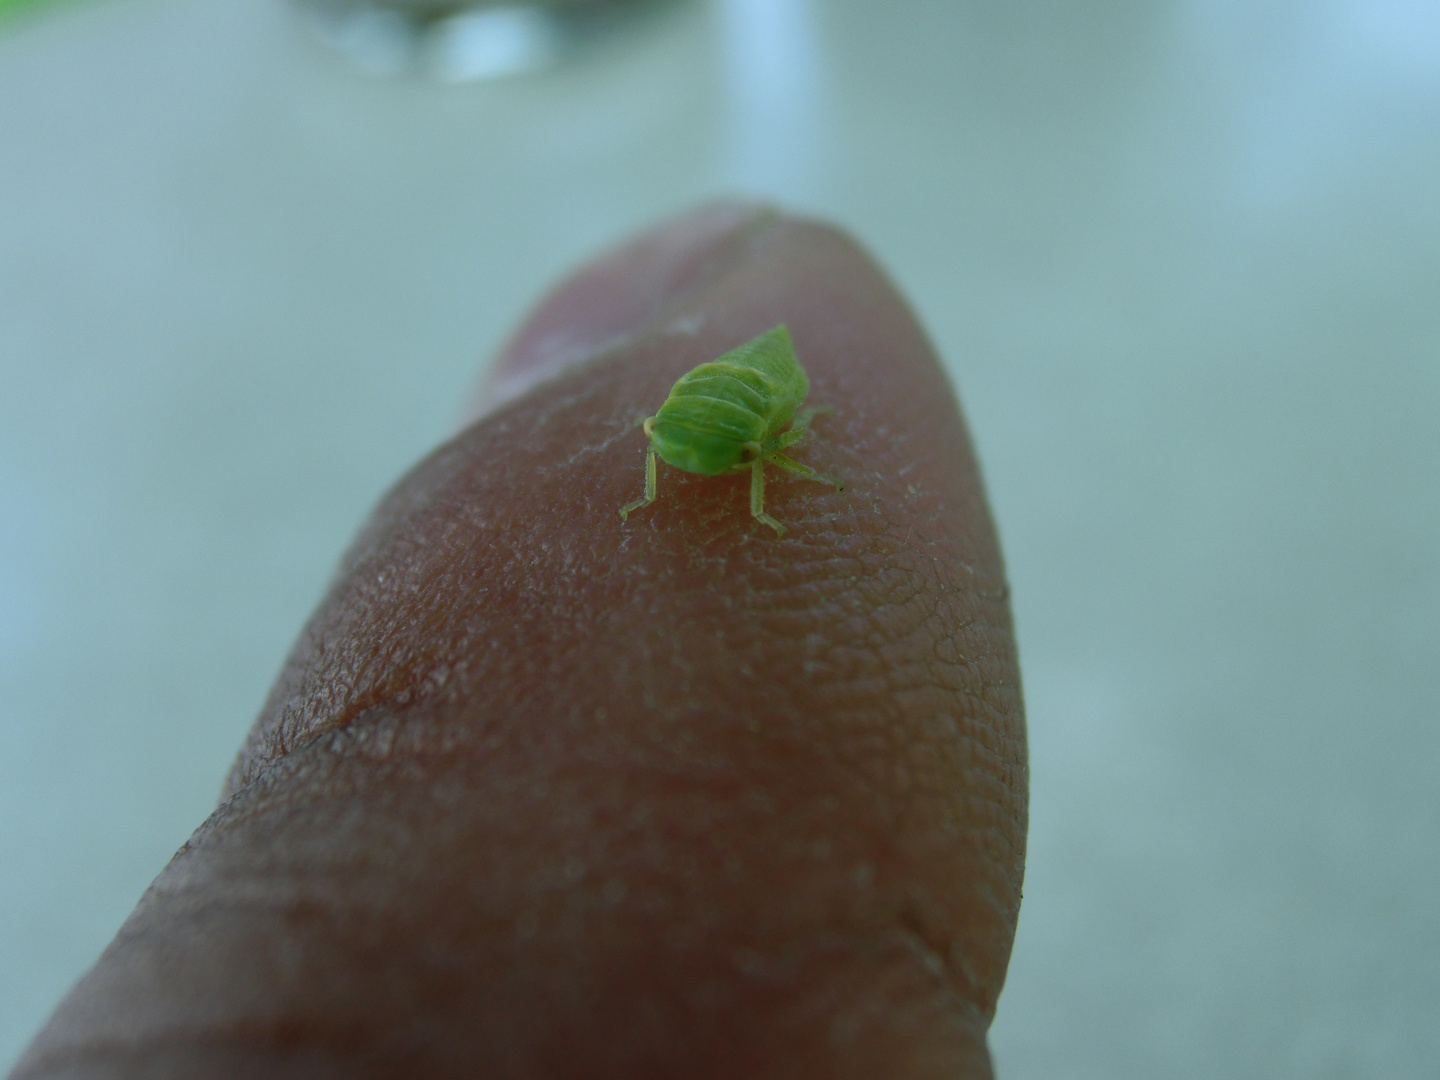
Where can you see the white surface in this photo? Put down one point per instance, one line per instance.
(1183, 259)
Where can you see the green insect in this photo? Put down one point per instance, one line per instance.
(733, 414)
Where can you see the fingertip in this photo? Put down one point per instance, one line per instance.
(613, 295)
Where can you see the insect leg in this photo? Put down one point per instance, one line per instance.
(791, 465)
(649, 487)
(801, 425)
(787, 438)
(757, 497)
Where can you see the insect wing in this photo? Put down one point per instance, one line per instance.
(773, 354)
(750, 389)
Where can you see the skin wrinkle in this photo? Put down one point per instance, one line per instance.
(626, 755)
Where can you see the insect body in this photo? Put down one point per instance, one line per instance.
(733, 414)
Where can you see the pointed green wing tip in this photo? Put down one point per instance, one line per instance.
(773, 341)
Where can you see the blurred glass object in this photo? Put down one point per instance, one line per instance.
(779, 128)
(456, 41)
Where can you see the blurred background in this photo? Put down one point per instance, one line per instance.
(1182, 258)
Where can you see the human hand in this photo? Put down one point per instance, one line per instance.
(544, 794)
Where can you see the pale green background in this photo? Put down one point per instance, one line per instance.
(1182, 258)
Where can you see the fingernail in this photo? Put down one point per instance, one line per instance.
(611, 297)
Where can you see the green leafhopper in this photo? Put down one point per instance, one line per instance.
(735, 413)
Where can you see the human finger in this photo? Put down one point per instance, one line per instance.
(544, 794)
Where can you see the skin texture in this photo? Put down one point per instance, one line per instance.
(542, 795)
